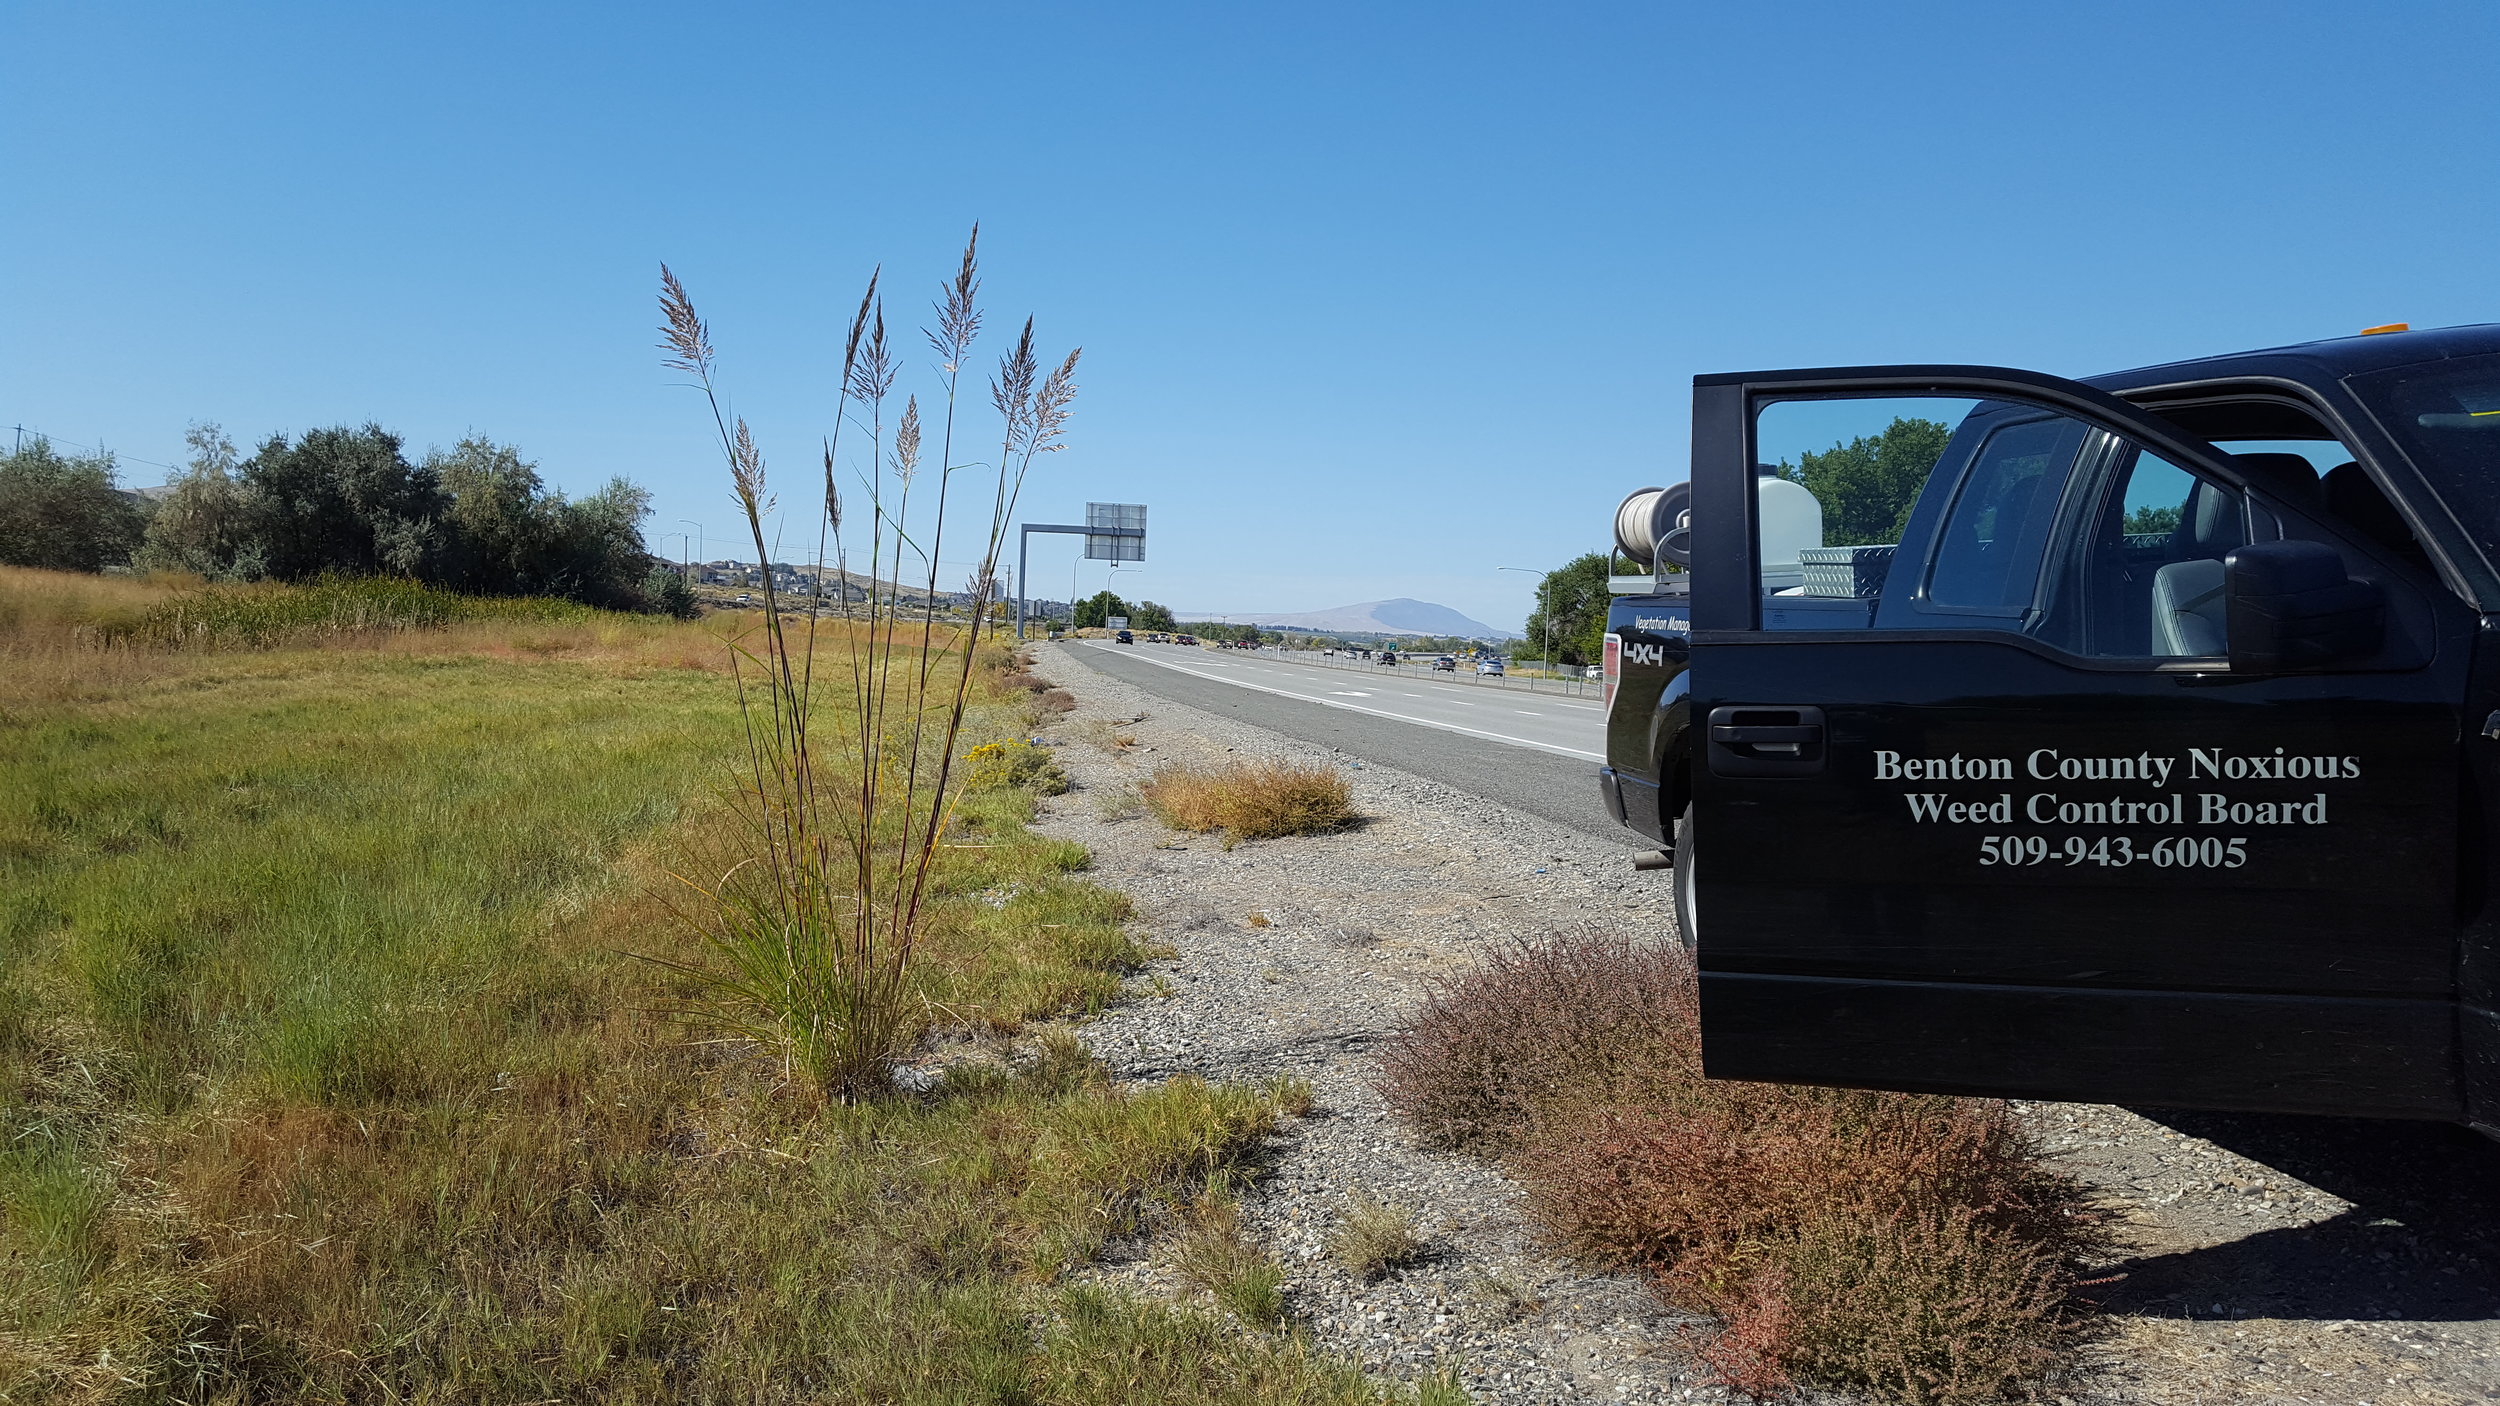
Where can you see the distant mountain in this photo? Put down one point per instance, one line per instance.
(1378, 617)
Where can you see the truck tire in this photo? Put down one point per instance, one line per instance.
(1684, 931)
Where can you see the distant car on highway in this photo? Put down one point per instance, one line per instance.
(1490, 668)
(1125, 637)
(1187, 640)
(1447, 662)
(1387, 656)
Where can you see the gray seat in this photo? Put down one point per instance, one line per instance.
(2188, 610)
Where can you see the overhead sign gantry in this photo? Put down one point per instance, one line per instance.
(1112, 532)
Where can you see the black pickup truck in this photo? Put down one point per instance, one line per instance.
(2132, 739)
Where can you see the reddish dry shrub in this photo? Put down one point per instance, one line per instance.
(1537, 1027)
(1911, 1245)
(1056, 700)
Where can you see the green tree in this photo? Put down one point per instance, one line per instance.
(65, 512)
(200, 527)
(1150, 616)
(1094, 610)
(1576, 597)
(1868, 485)
(666, 589)
(510, 536)
(344, 500)
(2158, 519)
(504, 525)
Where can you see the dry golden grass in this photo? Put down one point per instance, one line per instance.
(71, 638)
(35, 602)
(51, 629)
(1251, 800)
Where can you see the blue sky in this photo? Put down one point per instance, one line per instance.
(1375, 298)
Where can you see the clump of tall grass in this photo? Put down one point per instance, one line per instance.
(1215, 1254)
(852, 771)
(1913, 1246)
(1374, 1237)
(262, 615)
(1250, 800)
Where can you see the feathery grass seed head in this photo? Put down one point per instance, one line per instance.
(959, 312)
(907, 441)
(689, 343)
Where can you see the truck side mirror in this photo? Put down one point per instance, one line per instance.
(2290, 606)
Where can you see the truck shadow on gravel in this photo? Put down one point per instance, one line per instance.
(2420, 1242)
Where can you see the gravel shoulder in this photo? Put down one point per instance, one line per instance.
(2269, 1260)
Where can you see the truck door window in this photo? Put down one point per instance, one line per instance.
(1835, 483)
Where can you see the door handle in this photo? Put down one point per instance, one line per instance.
(1758, 741)
(1769, 737)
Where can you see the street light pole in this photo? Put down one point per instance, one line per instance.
(1545, 607)
(687, 570)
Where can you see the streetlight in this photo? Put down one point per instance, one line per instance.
(1545, 607)
(687, 570)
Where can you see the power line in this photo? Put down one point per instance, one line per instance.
(25, 430)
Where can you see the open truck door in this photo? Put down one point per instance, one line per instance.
(2065, 756)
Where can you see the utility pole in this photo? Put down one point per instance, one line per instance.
(687, 570)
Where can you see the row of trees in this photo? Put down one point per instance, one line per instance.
(1096, 610)
(475, 518)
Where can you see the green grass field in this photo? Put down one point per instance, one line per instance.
(329, 1070)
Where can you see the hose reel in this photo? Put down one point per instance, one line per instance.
(1655, 525)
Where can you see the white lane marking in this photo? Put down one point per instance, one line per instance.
(1349, 693)
(1526, 714)
(1554, 747)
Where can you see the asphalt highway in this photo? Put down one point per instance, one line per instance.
(1534, 752)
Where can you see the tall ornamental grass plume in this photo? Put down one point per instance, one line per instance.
(853, 716)
(1914, 1247)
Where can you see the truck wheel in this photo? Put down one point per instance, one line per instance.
(1684, 892)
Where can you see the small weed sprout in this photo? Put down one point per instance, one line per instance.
(1291, 1094)
(1505, 1297)
(1215, 1255)
(1106, 736)
(1118, 804)
(1375, 1237)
